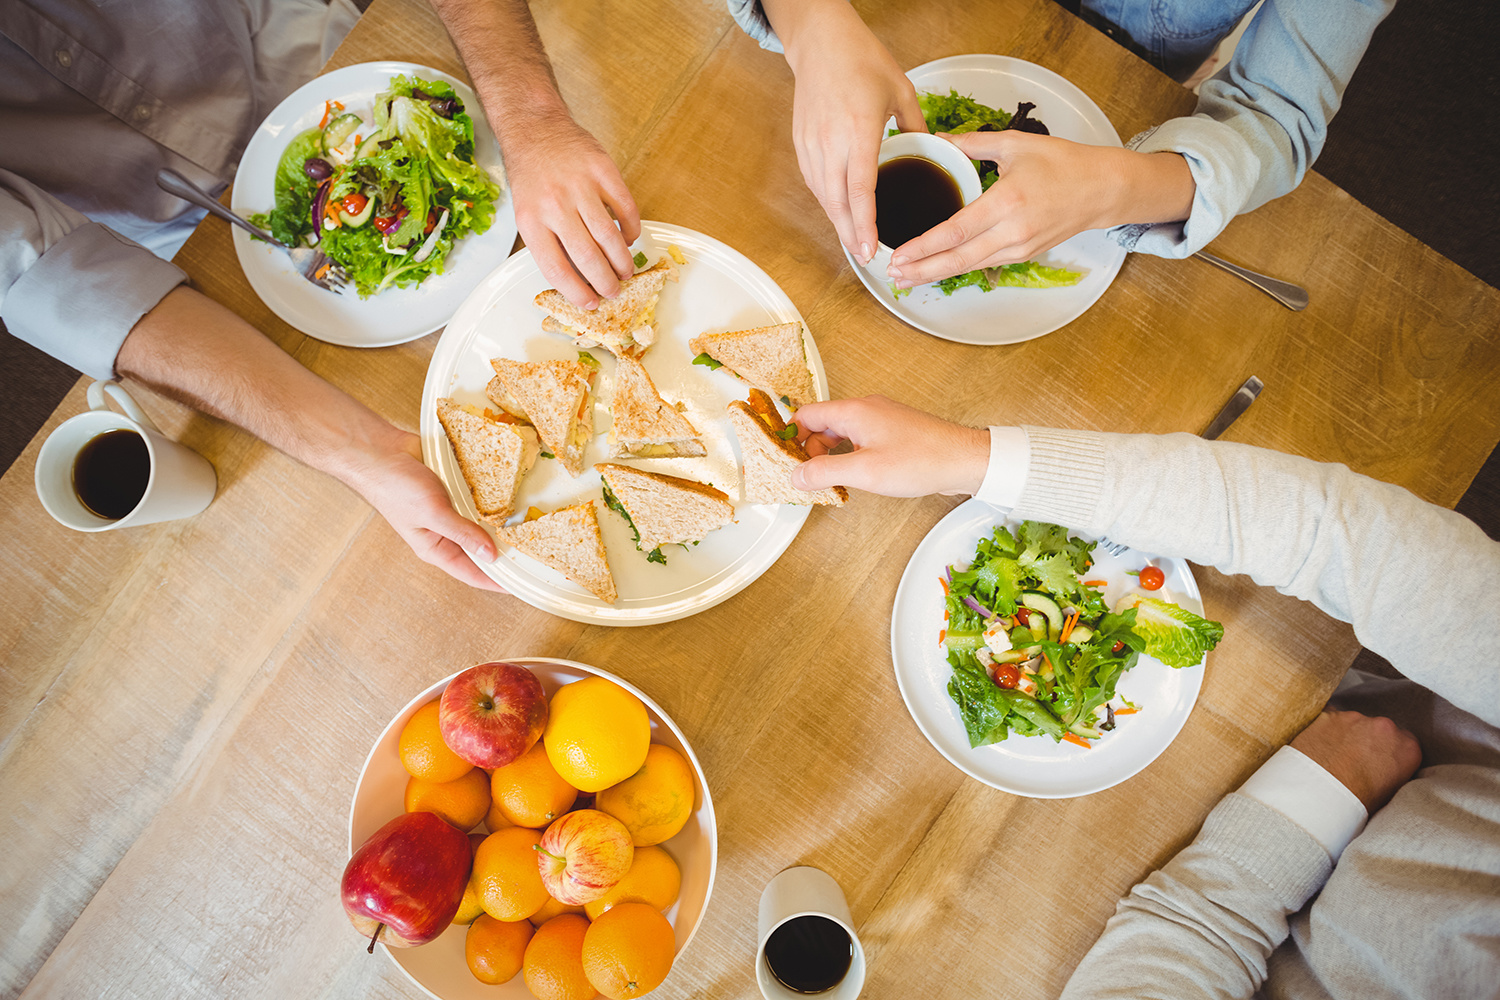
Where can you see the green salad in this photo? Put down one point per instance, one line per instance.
(1034, 648)
(955, 114)
(388, 198)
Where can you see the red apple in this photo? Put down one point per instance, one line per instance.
(493, 713)
(583, 855)
(404, 884)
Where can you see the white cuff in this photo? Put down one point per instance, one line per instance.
(1300, 789)
(1010, 456)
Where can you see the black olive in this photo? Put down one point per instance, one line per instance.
(316, 168)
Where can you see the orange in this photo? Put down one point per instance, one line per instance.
(628, 951)
(552, 908)
(528, 792)
(495, 949)
(654, 879)
(506, 874)
(597, 733)
(462, 803)
(495, 819)
(423, 752)
(468, 907)
(554, 960)
(654, 802)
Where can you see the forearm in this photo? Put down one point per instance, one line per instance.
(800, 24)
(196, 351)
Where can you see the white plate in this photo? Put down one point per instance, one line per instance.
(1011, 315)
(720, 289)
(395, 315)
(1035, 766)
(438, 967)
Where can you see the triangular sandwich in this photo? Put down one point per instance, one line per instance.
(624, 325)
(768, 357)
(771, 452)
(663, 510)
(568, 540)
(555, 396)
(493, 455)
(645, 425)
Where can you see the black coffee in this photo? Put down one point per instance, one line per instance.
(809, 954)
(111, 472)
(912, 195)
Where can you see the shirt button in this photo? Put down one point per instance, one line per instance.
(143, 111)
(64, 58)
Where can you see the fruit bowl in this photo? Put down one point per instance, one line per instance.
(439, 967)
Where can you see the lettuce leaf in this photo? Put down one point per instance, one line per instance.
(955, 113)
(292, 215)
(1174, 635)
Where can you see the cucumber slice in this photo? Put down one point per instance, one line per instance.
(1081, 634)
(1037, 601)
(964, 640)
(359, 219)
(340, 129)
(369, 147)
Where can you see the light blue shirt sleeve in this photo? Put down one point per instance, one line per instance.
(752, 19)
(1261, 120)
(71, 287)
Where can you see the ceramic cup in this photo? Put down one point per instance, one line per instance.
(800, 892)
(940, 151)
(181, 483)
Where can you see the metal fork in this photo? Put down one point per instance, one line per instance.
(314, 265)
(1228, 414)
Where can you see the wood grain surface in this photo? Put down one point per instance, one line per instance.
(184, 708)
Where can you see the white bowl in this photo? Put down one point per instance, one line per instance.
(940, 151)
(439, 967)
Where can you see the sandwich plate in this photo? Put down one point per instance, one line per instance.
(395, 315)
(1011, 315)
(1035, 766)
(719, 290)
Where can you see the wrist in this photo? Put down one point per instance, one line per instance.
(1155, 187)
(968, 460)
(797, 22)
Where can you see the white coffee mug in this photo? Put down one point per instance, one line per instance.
(803, 892)
(949, 157)
(181, 481)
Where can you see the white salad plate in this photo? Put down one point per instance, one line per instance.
(395, 315)
(1035, 766)
(1011, 315)
(719, 289)
(438, 967)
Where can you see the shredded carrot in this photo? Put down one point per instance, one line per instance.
(357, 137)
(338, 105)
(1078, 741)
(1096, 583)
(1048, 660)
(1126, 711)
(1067, 628)
(321, 272)
(942, 636)
(326, 112)
(945, 616)
(944, 581)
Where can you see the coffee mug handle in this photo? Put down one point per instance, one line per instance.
(116, 391)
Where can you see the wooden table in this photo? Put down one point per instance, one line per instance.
(184, 707)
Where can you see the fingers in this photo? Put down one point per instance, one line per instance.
(834, 197)
(981, 145)
(584, 252)
(861, 190)
(558, 269)
(909, 109)
(831, 470)
(608, 238)
(451, 559)
(835, 419)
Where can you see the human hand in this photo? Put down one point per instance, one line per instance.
(412, 499)
(1370, 755)
(848, 86)
(897, 451)
(565, 189)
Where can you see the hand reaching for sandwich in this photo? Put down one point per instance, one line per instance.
(568, 194)
(897, 451)
(848, 86)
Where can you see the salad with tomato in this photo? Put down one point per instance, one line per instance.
(386, 198)
(1034, 648)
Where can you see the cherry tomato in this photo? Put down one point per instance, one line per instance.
(1118, 646)
(432, 218)
(1007, 676)
(384, 223)
(354, 203)
(1152, 578)
(1023, 616)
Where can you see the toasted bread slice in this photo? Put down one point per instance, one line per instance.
(568, 540)
(555, 396)
(770, 459)
(664, 509)
(772, 358)
(645, 425)
(492, 455)
(624, 325)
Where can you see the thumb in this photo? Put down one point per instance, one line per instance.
(826, 470)
(978, 145)
(909, 111)
(465, 533)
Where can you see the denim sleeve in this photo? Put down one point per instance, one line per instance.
(72, 287)
(749, 15)
(1261, 120)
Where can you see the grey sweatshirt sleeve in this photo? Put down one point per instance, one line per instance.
(1262, 120)
(1418, 582)
(70, 286)
(1206, 924)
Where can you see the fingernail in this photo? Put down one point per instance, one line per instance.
(864, 252)
(798, 479)
(893, 271)
(900, 258)
(903, 284)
